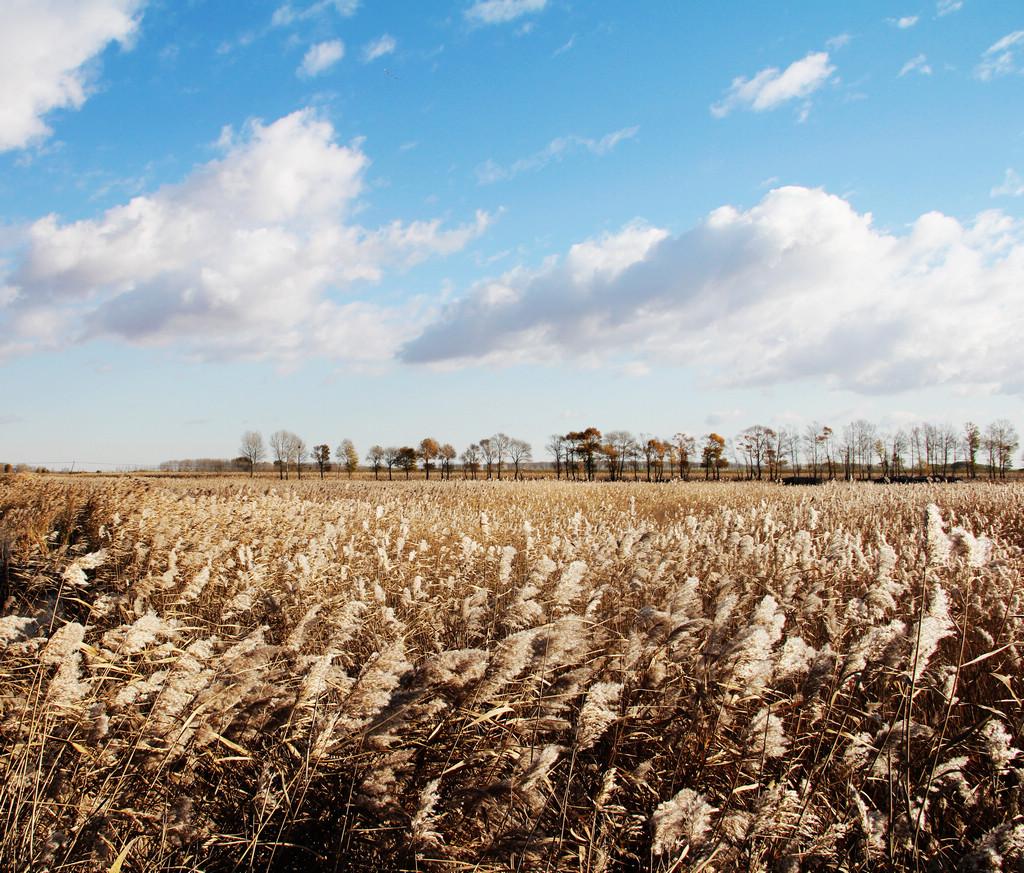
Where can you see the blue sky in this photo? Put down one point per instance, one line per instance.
(390, 220)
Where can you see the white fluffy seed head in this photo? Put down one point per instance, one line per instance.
(598, 713)
(682, 821)
(64, 643)
(938, 544)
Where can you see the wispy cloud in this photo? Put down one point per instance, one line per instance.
(770, 88)
(947, 7)
(556, 150)
(1002, 57)
(320, 57)
(1011, 186)
(378, 48)
(243, 40)
(502, 11)
(904, 22)
(918, 64)
(565, 46)
(289, 14)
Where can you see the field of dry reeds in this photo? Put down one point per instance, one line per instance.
(510, 676)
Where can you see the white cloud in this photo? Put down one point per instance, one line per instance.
(239, 260)
(800, 285)
(1002, 57)
(918, 64)
(502, 11)
(556, 150)
(946, 7)
(320, 57)
(287, 14)
(904, 22)
(770, 88)
(1011, 186)
(45, 50)
(838, 41)
(383, 45)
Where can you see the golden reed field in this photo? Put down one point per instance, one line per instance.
(491, 676)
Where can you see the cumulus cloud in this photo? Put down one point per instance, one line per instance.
(378, 48)
(242, 259)
(45, 51)
(800, 285)
(1012, 185)
(321, 57)
(771, 87)
(558, 149)
(947, 7)
(502, 11)
(1002, 57)
(917, 64)
(903, 22)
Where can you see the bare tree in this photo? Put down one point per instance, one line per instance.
(487, 453)
(252, 449)
(755, 443)
(972, 443)
(899, 443)
(950, 443)
(519, 452)
(932, 447)
(375, 457)
(281, 444)
(848, 451)
(501, 443)
(471, 460)
(916, 443)
(1001, 441)
(866, 434)
(571, 455)
(321, 454)
(296, 452)
(812, 448)
(556, 448)
(790, 442)
(649, 447)
(634, 453)
(686, 448)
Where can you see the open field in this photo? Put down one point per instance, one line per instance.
(218, 675)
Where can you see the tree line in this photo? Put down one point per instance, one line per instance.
(860, 450)
(492, 456)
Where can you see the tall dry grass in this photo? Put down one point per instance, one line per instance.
(500, 676)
